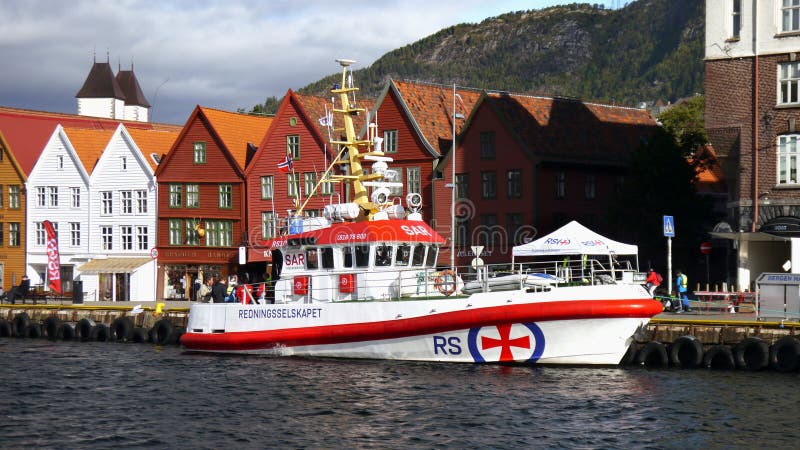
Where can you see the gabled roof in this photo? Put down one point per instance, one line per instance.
(571, 128)
(101, 83)
(130, 88)
(154, 141)
(315, 108)
(236, 130)
(28, 131)
(10, 156)
(88, 144)
(429, 107)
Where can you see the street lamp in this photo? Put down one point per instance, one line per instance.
(453, 193)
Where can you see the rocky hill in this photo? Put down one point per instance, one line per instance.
(648, 50)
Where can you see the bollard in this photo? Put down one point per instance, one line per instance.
(159, 308)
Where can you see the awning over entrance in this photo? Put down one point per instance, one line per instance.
(113, 265)
(757, 236)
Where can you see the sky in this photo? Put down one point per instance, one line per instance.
(225, 54)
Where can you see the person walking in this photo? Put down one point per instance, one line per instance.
(681, 287)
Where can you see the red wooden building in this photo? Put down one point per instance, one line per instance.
(201, 198)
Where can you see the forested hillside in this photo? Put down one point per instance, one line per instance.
(649, 50)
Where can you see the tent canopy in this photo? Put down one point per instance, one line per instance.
(574, 239)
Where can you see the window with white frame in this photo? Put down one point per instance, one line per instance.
(192, 195)
(13, 197)
(141, 202)
(590, 187)
(514, 184)
(326, 187)
(192, 236)
(126, 237)
(40, 234)
(788, 152)
(225, 196)
(13, 234)
(736, 16)
(390, 141)
(75, 234)
(413, 180)
(106, 203)
(267, 187)
(126, 198)
(75, 194)
(199, 152)
(309, 182)
(488, 185)
(41, 196)
(142, 236)
(52, 193)
(107, 238)
(462, 185)
(789, 82)
(267, 225)
(175, 232)
(398, 178)
(790, 14)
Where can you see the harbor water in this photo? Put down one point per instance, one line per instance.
(104, 395)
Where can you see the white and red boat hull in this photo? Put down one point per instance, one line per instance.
(580, 325)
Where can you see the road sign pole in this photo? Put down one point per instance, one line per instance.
(669, 265)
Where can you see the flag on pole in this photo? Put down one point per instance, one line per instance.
(286, 165)
(53, 259)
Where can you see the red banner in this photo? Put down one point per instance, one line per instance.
(53, 260)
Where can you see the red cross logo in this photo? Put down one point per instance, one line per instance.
(505, 342)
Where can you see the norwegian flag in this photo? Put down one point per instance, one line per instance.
(286, 165)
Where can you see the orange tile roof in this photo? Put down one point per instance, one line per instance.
(314, 106)
(566, 127)
(154, 141)
(431, 107)
(88, 144)
(237, 130)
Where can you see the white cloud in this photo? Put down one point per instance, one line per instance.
(224, 54)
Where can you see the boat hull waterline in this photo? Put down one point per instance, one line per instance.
(510, 326)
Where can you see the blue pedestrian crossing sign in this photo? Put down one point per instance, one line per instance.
(669, 226)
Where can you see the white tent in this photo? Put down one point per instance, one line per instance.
(574, 239)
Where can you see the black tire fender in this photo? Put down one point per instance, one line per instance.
(51, 325)
(6, 330)
(653, 354)
(719, 357)
(21, 322)
(101, 333)
(139, 335)
(784, 354)
(686, 352)
(751, 354)
(84, 329)
(630, 355)
(66, 332)
(122, 329)
(162, 332)
(34, 331)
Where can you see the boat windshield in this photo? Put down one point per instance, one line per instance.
(383, 255)
(403, 255)
(419, 255)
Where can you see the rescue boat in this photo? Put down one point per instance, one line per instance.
(363, 281)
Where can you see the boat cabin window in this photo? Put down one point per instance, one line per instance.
(403, 255)
(430, 261)
(347, 257)
(419, 255)
(362, 255)
(326, 255)
(312, 261)
(383, 255)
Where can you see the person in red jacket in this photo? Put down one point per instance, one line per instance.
(652, 281)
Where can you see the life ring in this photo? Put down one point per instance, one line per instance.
(686, 352)
(51, 325)
(719, 357)
(122, 329)
(752, 354)
(21, 322)
(784, 354)
(162, 332)
(653, 354)
(443, 285)
(84, 329)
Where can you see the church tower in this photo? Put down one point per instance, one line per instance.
(113, 97)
